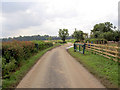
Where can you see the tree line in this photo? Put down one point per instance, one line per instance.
(35, 37)
(100, 31)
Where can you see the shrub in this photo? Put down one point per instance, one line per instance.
(16, 51)
(7, 68)
(96, 41)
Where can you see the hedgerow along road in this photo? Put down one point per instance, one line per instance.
(57, 69)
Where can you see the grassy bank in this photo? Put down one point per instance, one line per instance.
(26, 66)
(104, 69)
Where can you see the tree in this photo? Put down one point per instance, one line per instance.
(78, 35)
(109, 36)
(103, 27)
(117, 35)
(105, 30)
(85, 35)
(63, 34)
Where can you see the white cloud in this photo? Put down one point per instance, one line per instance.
(47, 16)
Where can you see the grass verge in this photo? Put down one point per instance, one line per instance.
(15, 78)
(104, 69)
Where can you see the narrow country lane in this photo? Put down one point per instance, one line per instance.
(57, 69)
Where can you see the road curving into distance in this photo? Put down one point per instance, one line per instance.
(57, 69)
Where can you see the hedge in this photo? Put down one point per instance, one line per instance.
(96, 41)
(13, 53)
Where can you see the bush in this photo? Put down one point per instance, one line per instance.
(96, 41)
(14, 52)
(7, 68)
(40, 45)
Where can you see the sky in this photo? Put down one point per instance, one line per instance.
(40, 17)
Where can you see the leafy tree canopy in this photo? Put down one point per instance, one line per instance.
(78, 35)
(105, 30)
(63, 34)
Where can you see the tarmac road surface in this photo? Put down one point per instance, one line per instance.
(57, 69)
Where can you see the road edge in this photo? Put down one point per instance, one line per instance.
(102, 80)
(14, 85)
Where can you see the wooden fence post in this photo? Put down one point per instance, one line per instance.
(90, 47)
(102, 49)
(79, 48)
(117, 54)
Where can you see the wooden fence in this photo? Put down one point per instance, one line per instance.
(110, 52)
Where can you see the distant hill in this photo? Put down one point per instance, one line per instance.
(35, 37)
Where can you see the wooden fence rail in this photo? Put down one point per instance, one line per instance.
(110, 52)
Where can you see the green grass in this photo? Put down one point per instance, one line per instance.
(70, 40)
(104, 69)
(26, 66)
